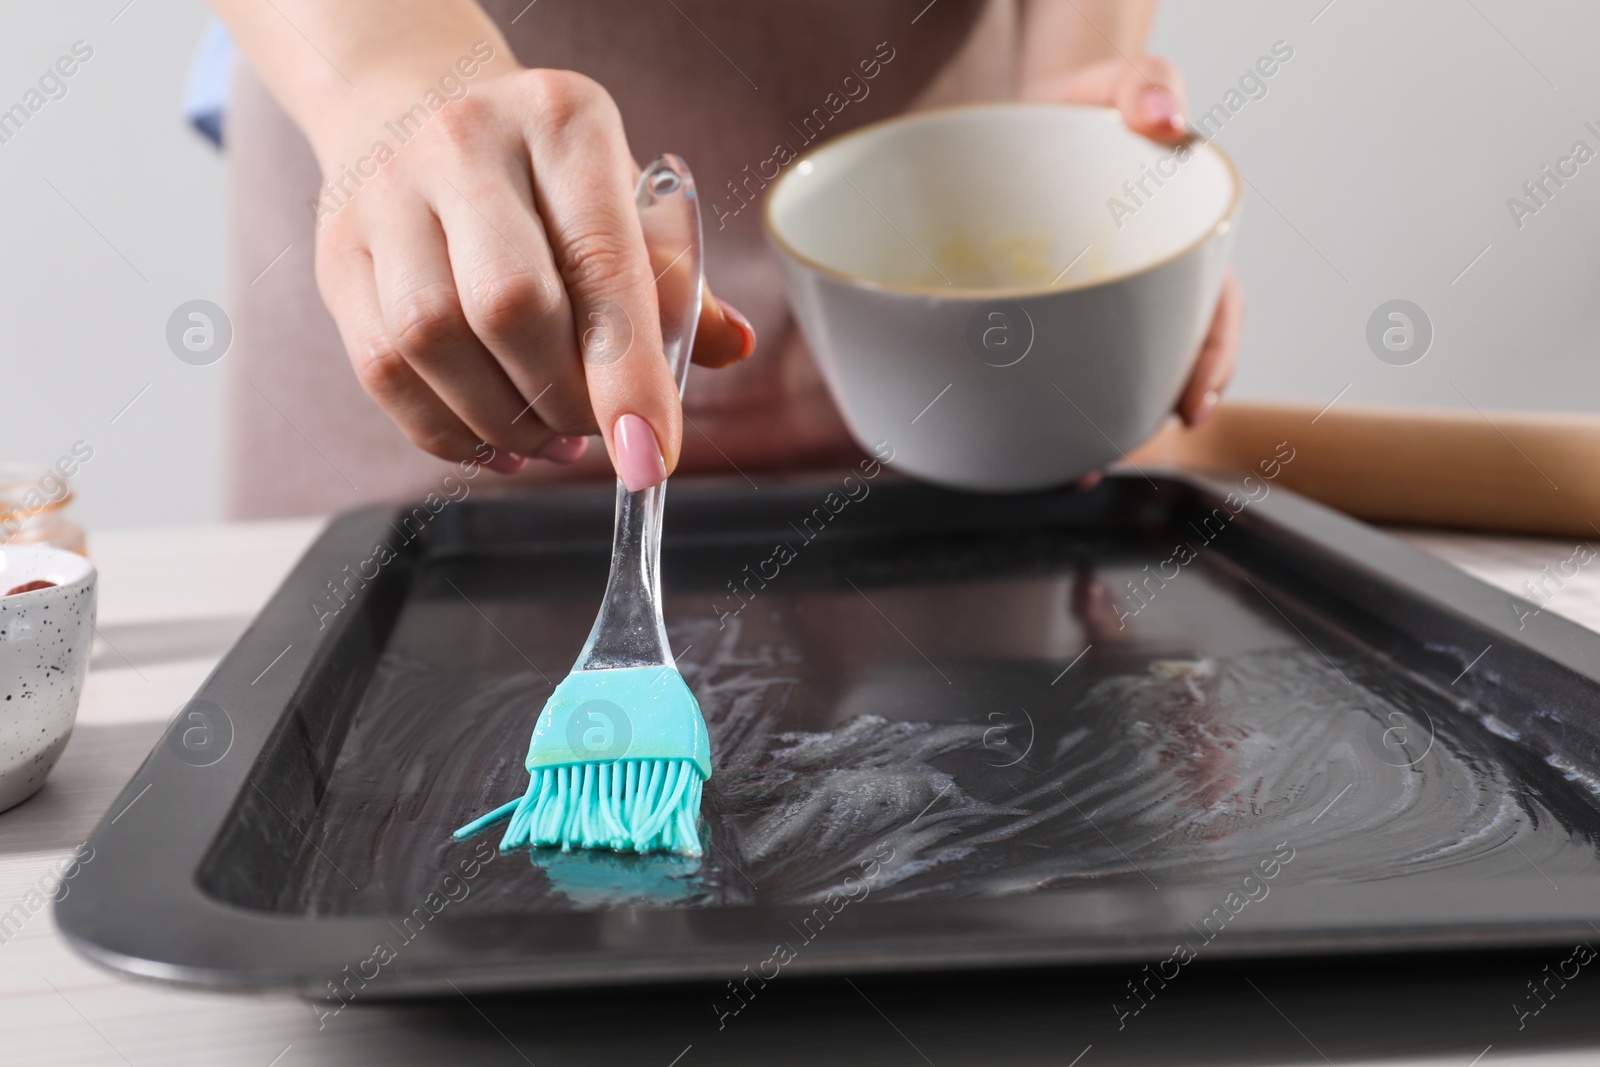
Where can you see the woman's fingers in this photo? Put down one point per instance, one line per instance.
(724, 336)
(427, 324)
(520, 313)
(345, 278)
(1218, 355)
(511, 294)
(1148, 91)
(492, 285)
(583, 189)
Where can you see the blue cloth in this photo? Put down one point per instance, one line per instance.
(205, 93)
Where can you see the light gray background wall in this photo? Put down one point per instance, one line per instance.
(1384, 152)
(135, 194)
(1380, 161)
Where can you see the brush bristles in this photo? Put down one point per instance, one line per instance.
(627, 806)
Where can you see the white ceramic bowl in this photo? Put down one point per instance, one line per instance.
(1008, 295)
(45, 639)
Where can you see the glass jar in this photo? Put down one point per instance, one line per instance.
(33, 508)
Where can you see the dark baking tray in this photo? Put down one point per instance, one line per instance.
(943, 738)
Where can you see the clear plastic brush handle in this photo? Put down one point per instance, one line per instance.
(629, 631)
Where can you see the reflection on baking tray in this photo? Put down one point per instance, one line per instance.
(614, 880)
(1014, 739)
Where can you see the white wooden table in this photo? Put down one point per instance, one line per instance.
(163, 635)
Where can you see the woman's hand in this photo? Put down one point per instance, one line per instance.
(1148, 91)
(490, 279)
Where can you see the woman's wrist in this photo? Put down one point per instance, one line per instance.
(343, 70)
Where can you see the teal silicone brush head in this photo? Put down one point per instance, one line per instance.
(626, 806)
(617, 761)
(620, 753)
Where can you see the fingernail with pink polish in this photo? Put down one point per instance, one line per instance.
(1160, 107)
(742, 324)
(506, 462)
(563, 448)
(639, 462)
(1203, 410)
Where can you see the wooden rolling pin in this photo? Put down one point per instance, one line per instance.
(1495, 471)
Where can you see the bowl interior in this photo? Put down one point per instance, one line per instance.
(21, 564)
(1000, 197)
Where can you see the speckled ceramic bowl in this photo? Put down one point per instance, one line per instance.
(45, 637)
